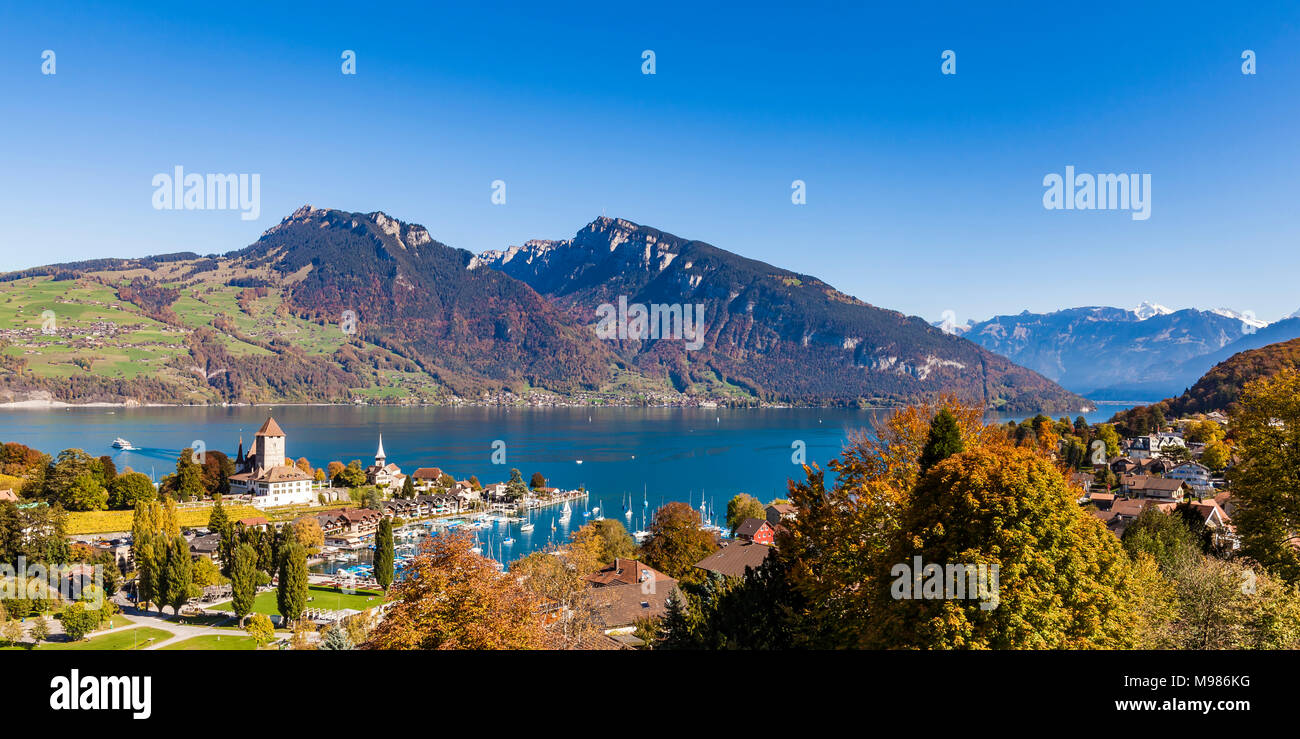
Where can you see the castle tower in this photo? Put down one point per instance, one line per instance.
(269, 446)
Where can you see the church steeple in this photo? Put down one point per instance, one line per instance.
(379, 454)
(239, 458)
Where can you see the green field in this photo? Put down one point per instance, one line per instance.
(134, 638)
(214, 643)
(97, 333)
(317, 597)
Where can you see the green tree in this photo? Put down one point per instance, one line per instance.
(383, 563)
(243, 581)
(187, 484)
(1165, 537)
(217, 519)
(741, 507)
(944, 440)
(291, 598)
(515, 489)
(85, 494)
(408, 488)
(130, 488)
(352, 476)
(78, 620)
(177, 574)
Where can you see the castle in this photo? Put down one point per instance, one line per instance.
(265, 473)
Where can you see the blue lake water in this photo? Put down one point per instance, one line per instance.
(652, 455)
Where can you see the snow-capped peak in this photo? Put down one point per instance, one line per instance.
(1247, 317)
(1149, 310)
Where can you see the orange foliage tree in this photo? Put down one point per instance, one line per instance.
(453, 598)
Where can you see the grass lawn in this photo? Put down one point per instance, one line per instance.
(214, 643)
(137, 638)
(317, 597)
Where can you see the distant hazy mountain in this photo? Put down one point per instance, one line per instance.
(1220, 387)
(1112, 353)
(776, 334)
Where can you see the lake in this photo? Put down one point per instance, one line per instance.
(652, 455)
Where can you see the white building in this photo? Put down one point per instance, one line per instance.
(264, 475)
(1195, 474)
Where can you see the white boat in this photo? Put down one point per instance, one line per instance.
(123, 444)
(527, 527)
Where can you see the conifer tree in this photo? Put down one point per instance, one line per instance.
(291, 598)
(943, 442)
(384, 554)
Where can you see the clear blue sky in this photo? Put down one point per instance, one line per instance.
(924, 190)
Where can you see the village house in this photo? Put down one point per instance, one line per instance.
(343, 527)
(264, 474)
(627, 592)
(756, 530)
(425, 478)
(735, 558)
(206, 546)
(1151, 446)
(254, 522)
(779, 513)
(1195, 474)
(1161, 488)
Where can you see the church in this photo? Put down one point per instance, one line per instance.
(383, 473)
(266, 475)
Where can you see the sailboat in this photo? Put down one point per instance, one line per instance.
(586, 513)
(627, 508)
(528, 526)
(566, 512)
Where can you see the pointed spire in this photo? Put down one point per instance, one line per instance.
(379, 455)
(239, 458)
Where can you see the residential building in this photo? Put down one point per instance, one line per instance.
(734, 559)
(1162, 488)
(756, 530)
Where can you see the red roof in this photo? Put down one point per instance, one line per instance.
(270, 428)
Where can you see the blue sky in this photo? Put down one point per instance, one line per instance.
(924, 190)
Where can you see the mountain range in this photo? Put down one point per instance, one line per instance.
(335, 306)
(1146, 353)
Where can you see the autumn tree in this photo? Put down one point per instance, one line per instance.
(607, 538)
(677, 542)
(308, 533)
(1266, 483)
(741, 507)
(839, 541)
(455, 599)
(1062, 578)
